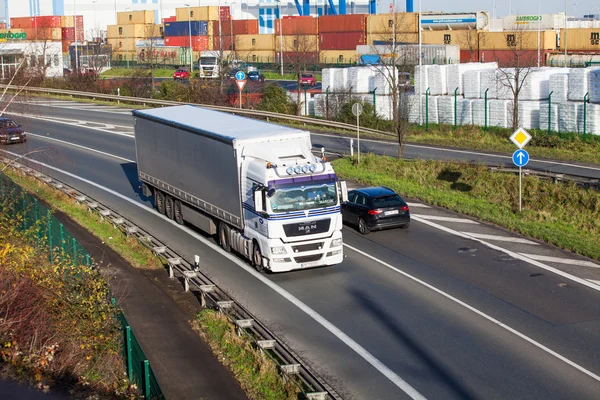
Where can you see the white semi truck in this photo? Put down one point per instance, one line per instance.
(256, 186)
(209, 64)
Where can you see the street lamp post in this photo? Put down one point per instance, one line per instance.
(94, 27)
(126, 42)
(190, 34)
(420, 69)
(539, 31)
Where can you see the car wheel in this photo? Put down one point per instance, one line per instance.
(362, 227)
(257, 260)
(159, 201)
(178, 212)
(223, 237)
(169, 207)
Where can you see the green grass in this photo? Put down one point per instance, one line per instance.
(127, 72)
(258, 377)
(561, 214)
(286, 76)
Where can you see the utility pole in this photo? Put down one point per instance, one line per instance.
(280, 36)
(190, 32)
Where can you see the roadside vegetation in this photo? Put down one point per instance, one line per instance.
(562, 214)
(256, 373)
(59, 330)
(128, 72)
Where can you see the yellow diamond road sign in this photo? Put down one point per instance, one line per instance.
(521, 137)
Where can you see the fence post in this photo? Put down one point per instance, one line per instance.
(455, 106)
(427, 109)
(550, 111)
(146, 379)
(585, 100)
(62, 239)
(50, 235)
(24, 213)
(485, 107)
(129, 352)
(37, 218)
(374, 101)
(88, 261)
(74, 244)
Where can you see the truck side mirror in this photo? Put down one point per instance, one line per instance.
(257, 197)
(343, 190)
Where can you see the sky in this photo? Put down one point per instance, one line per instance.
(575, 8)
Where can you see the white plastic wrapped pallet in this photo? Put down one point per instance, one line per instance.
(593, 119)
(559, 86)
(579, 83)
(358, 78)
(488, 79)
(464, 111)
(499, 115)
(544, 117)
(455, 74)
(529, 114)
(478, 107)
(421, 79)
(472, 84)
(594, 86)
(570, 117)
(319, 105)
(437, 80)
(413, 113)
(328, 78)
(340, 80)
(446, 110)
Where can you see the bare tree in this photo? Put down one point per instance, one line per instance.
(469, 40)
(298, 51)
(149, 56)
(45, 50)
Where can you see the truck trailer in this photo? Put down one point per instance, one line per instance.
(255, 185)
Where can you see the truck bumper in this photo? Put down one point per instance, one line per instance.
(283, 265)
(295, 258)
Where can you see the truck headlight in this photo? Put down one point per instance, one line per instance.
(278, 250)
(336, 242)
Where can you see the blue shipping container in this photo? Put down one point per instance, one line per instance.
(199, 28)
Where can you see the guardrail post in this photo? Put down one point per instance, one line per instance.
(455, 106)
(351, 147)
(146, 379)
(129, 352)
(585, 100)
(485, 108)
(427, 109)
(305, 102)
(550, 111)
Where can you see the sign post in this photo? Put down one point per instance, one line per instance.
(520, 157)
(357, 109)
(240, 77)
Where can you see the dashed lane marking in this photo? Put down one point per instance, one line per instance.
(499, 238)
(447, 219)
(569, 261)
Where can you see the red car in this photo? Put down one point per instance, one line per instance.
(308, 78)
(181, 73)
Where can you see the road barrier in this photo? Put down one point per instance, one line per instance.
(289, 364)
(52, 237)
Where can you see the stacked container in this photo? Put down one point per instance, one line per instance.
(381, 27)
(511, 48)
(582, 40)
(133, 26)
(255, 48)
(179, 34)
(298, 38)
(231, 28)
(205, 13)
(339, 35)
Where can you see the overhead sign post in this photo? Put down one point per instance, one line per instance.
(357, 109)
(520, 157)
(240, 77)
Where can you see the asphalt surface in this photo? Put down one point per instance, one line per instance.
(430, 309)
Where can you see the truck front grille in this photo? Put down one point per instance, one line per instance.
(303, 259)
(307, 247)
(307, 228)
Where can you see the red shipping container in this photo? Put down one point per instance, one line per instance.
(199, 43)
(341, 41)
(297, 26)
(2, 25)
(225, 12)
(506, 58)
(343, 23)
(68, 34)
(169, 19)
(467, 56)
(46, 21)
(65, 45)
(239, 27)
(294, 58)
(20, 23)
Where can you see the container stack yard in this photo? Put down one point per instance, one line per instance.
(132, 27)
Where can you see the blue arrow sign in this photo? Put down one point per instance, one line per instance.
(240, 75)
(520, 158)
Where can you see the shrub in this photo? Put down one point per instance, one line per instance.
(275, 99)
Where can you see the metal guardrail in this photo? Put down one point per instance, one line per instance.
(290, 365)
(581, 181)
(240, 111)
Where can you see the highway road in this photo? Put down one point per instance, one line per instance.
(448, 309)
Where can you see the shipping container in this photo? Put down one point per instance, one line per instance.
(298, 43)
(257, 56)
(401, 38)
(199, 43)
(237, 27)
(508, 58)
(79, 22)
(478, 20)
(169, 19)
(582, 39)
(135, 17)
(225, 12)
(162, 55)
(65, 45)
(466, 39)
(514, 41)
(2, 25)
(468, 56)
(198, 28)
(544, 22)
(67, 21)
(46, 21)
(68, 34)
(44, 34)
(255, 42)
(124, 56)
(205, 13)
(384, 23)
(343, 23)
(137, 31)
(224, 43)
(297, 26)
(341, 41)
(337, 56)
(20, 23)
(122, 44)
(300, 58)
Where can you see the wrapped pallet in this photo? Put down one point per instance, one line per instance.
(594, 86)
(455, 74)
(478, 107)
(570, 117)
(464, 112)
(559, 86)
(472, 84)
(545, 118)
(499, 113)
(436, 77)
(421, 79)
(446, 110)
(529, 114)
(579, 83)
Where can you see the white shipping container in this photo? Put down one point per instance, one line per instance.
(530, 22)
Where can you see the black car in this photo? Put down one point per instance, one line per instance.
(375, 208)
(11, 132)
(256, 76)
(232, 73)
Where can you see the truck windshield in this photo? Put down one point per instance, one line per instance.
(208, 60)
(296, 198)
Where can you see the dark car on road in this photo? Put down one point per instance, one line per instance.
(11, 132)
(375, 208)
(256, 76)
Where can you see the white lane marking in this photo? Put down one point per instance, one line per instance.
(513, 254)
(417, 205)
(460, 151)
(75, 123)
(347, 340)
(569, 261)
(500, 238)
(80, 146)
(595, 282)
(447, 219)
(478, 312)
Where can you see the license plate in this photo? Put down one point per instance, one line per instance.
(15, 138)
(391, 212)
(309, 264)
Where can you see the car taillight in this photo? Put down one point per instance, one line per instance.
(375, 212)
(404, 208)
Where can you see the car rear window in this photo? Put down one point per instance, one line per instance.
(8, 124)
(307, 76)
(387, 201)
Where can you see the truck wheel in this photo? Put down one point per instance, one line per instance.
(159, 201)
(169, 207)
(257, 260)
(178, 212)
(223, 237)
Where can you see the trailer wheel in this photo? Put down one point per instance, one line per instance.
(223, 237)
(169, 207)
(257, 260)
(178, 212)
(159, 201)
